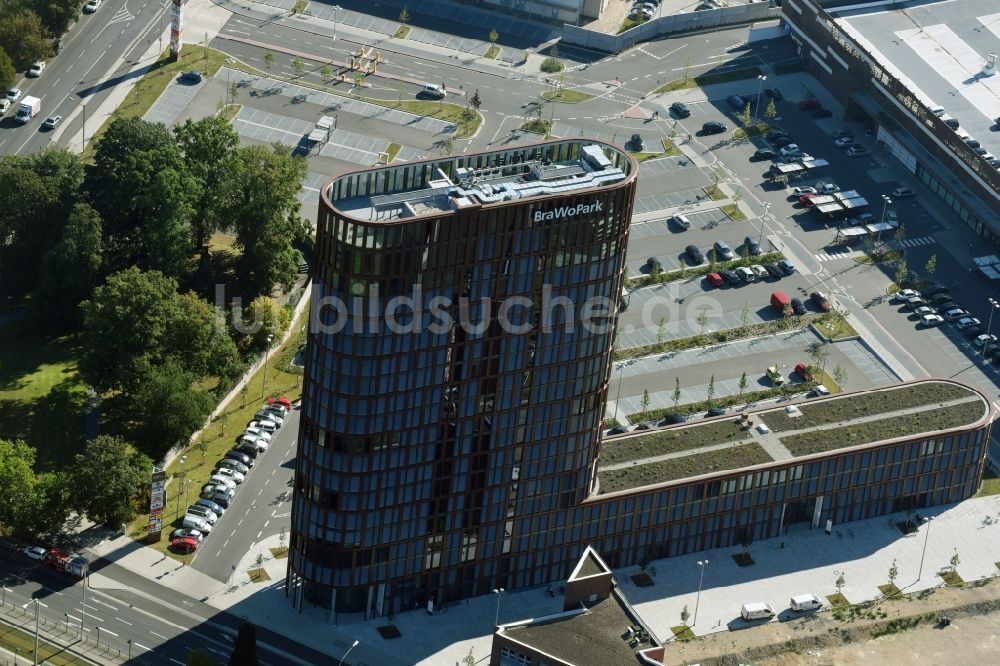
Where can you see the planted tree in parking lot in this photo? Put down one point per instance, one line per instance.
(107, 478)
(711, 390)
(702, 320)
(931, 267)
(661, 331)
(893, 572)
(268, 61)
(743, 385)
(359, 79)
(494, 36)
(771, 112)
(745, 117)
(677, 392)
(644, 402)
(840, 376)
(475, 101)
(745, 315)
(298, 65)
(404, 16)
(902, 272)
(325, 71)
(900, 234)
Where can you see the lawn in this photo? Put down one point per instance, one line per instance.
(857, 434)
(492, 52)
(709, 79)
(670, 148)
(15, 641)
(836, 328)
(659, 442)
(734, 457)
(866, 404)
(219, 437)
(991, 484)
(952, 579)
(683, 633)
(714, 193)
(402, 32)
(393, 149)
(837, 599)
(41, 395)
(733, 212)
(537, 126)
(889, 590)
(566, 96)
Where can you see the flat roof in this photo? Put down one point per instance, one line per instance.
(803, 428)
(594, 637)
(471, 181)
(937, 50)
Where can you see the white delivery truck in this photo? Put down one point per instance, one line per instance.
(30, 107)
(756, 611)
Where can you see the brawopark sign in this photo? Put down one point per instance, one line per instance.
(568, 211)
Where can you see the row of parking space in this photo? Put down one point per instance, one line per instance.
(171, 104)
(270, 127)
(653, 202)
(633, 336)
(781, 344)
(663, 165)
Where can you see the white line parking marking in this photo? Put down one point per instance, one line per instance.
(159, 636)
(123, 621)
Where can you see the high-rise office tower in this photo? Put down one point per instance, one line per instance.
(457, 367)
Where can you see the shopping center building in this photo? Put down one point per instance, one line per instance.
(457, 367)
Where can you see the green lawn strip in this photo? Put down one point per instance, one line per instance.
(392, 150)
(659, 442)
(150, 86)
(718, 337)
(868, 404)
(231, 111)
(734, 212)
(670, 148)
(709, 79)
(753, 130)
(220, 436)
(714, 193)
(300, 6)
(258, 576)
(683, 633)
(628, 24)
(726, 401)
(889, 590)
(857, 434)
(41, 395)
(735, 457)
(837, 600)
(952, 579)
(990, 485)
(642, 157)
(837, 328)
(402, 32)
(492, 52)
(567, 96)
(17, 641)
(537, 125)
(685, 272)
(279, 553)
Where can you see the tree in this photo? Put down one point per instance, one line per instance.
(818, 351)
(298, 65)
(702, 320)
(469, 659)
(661, 331)
(931, 267)
(23, 37)
(258, 191)
(448, 145)
(245, 650)
(685, 615)
(955, 560)
(771, 112)
(17, 479)
(404, 16)
(167, 408)
(206, 145)
(69, 271)
(711, 390)
(268, 61)
(325, 72)
(902, 272)
(644, 403)
(123, 474)
(359, 80)
(124, 325)
(494, 36)
(746, 117)
(677, 392)
(745, 315)
(840, 582)
(57, 15)
(258, 561)
(199, 339)
(712, 262)
(281, 538)
(900, 234)
(234, 92)
(7, 72)
(264, 318)
(893, 572)
(840, 376)
(475, 102)
(743, 385)
(199, 657)
(53, 502)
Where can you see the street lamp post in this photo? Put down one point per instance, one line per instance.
(760, 86)
(353, 645)
(3, 596)
(336, 15)
(885, 207)
(697, 599)
(497, 591)
(927, 535)
(763, 217)
(179, 484)
(37, 604)
(263, 379)
(130, 649)
(618, 394)
(994, 304)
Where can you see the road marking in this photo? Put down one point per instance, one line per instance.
(216, 651)
(266, 522)
(177, 662)
(123, 621)
(140, 645)
(160, 636)
(227, 543)
(241, 522)
(98, 601)
(259, 533)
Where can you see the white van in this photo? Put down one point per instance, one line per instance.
(805, 602)
(434, 90)
(790, 150)
(937, 110)
(756, 611)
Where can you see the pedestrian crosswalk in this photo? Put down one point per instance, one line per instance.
(829, 254)
(917, 242)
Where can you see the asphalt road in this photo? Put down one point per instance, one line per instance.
(97, 52)
(261, 507)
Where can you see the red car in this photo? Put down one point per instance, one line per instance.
(802, 370)
(806, 199)
(281, 400)
(715, 279)
(809, 104)
(821, 301)
(185, 545)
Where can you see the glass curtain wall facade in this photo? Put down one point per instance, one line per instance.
(423, 454)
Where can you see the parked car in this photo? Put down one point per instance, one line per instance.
(251, 441)
(716, 411)
(714, 279)
(858, 151)
(280, 401)
(782, 141)
(930, 320)
(802, 370)
(184, 545)
(903, 294)
(637, 143)
(759, 271)
(203, 512)
(901, 192)
(234, 464)
(722, 251)
(271, 414)
(217, 489)
(183, 532)
(681, 221)
(654, 265)
(680, 109)
(774, 270)
(212, 506)
(730, 276)
(240, 457)
(774, 375)
(230, 474)
(746, 275)
(673, 419)
(218, 497)
(738, 103)
(37, 69)
(249, 450)
(938, 299)
(751, 245)
(809, 105)
(806, 199)
(973, 331)
(913, 302)
(713, 127)
(193, 76)
(36, 552)
(92, 6)
(775, 133)
(694, 255)
(948, 307)
(257, 432)
(805, 602)
(803, 189)
(786, 266)
(956, 314)
(756, 611)
(197, 523)
(967, 322)
(985, 339)
(922, 311)
(934, 290)
(223, 480)
(763, 154)
(13, 94)
(798, 307)
(821, 300)
(51, 122)
(618, 430)
(267, 425)
(844, 142)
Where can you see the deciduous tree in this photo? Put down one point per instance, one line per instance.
(23, 36)
(108, 478)
(206, 146)
(264, 318)
(168, 408)
(7, 72)
(17, 479)
(245, 650)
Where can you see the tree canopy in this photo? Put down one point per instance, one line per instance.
(23, 36)
(171, 408)
(108, 478)
(206, 145)
(17, 479)
(245, 650)
(70, 270)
